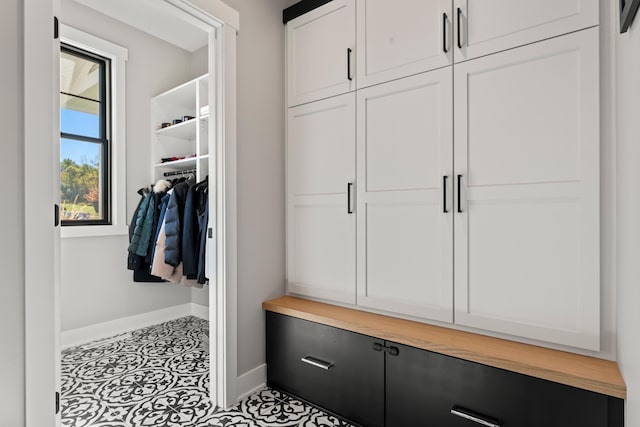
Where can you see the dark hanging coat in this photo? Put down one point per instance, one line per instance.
(173, 223)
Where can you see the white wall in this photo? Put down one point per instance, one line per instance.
(628, 215)
(96, 285)
(12, 367)
(261, 232)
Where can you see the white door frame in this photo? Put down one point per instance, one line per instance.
(41, 239)
(222, 302)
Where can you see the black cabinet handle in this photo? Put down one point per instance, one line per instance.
(349, 210)
(459, 37)
(444, 33)
(459, 193)
(377, 346)
(56, 215)
(444, 194)
(318, 363)
(476, 418)
(393, 351)
(349, 64)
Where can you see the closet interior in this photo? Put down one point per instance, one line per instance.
(154, 344)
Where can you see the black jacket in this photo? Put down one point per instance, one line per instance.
(173, 223)
(192, 229)
(135, 262)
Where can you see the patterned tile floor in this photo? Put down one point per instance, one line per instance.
(159, 376)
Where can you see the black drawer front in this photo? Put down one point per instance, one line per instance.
(352, 387)
(423, 387)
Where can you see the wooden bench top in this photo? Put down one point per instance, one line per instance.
(589, 373)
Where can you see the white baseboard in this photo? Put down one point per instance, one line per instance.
(201, 311)
(252, 381)
(74, 337)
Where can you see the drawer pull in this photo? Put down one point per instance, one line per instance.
(317, 362)
(468, 415)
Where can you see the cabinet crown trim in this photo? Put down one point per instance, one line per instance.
(588, 373)
(300, 8)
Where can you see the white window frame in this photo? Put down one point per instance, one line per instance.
(118, 56)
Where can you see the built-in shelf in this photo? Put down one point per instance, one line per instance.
(179, 164)
(185, 130)
(190, 139)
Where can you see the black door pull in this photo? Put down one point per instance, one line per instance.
(459, 193)
(444, 194)
(349, 64)
(459, 37)
(349, 210)
(444, 33)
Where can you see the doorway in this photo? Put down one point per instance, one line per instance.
(43, 299)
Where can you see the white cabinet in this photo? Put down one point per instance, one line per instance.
(183, 146)
(321, 221)
(321, 53)
(488, 26)
(527, 150)
(402, 37)
(477, 190)
(405, 199)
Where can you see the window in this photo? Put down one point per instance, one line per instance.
(93, 135)
(84, 137)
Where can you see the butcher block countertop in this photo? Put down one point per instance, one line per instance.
(589, 373)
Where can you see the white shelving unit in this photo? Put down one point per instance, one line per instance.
(189, 141)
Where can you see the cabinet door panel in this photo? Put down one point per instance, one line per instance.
(423, 387)
(529, 274)
(317, 52)
(527, 114)
(322, 146)
(322, 251)
(353, 387)
(401, 251)
(320, 231)
(493, 25)
(404, 235)
(400, 38)
(527, 240)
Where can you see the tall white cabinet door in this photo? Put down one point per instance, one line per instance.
(321, 220)
(402, 37)
(488, 26)
(527, 149)
(321, 52)
(405, 210)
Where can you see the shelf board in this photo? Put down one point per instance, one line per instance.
(183, 95)
(185, 130)
(588, 373)
(179, 164)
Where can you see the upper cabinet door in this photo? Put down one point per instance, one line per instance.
(527, 226)
(321, 53)
(405, 202)
(321, 220)
(402, 37)
(488, 26)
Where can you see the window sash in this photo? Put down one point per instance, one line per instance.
(103, 140)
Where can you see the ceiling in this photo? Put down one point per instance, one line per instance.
(156, 17)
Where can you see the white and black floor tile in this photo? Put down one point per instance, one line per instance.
(159, 376)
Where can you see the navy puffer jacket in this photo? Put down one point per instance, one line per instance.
(173, 224)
